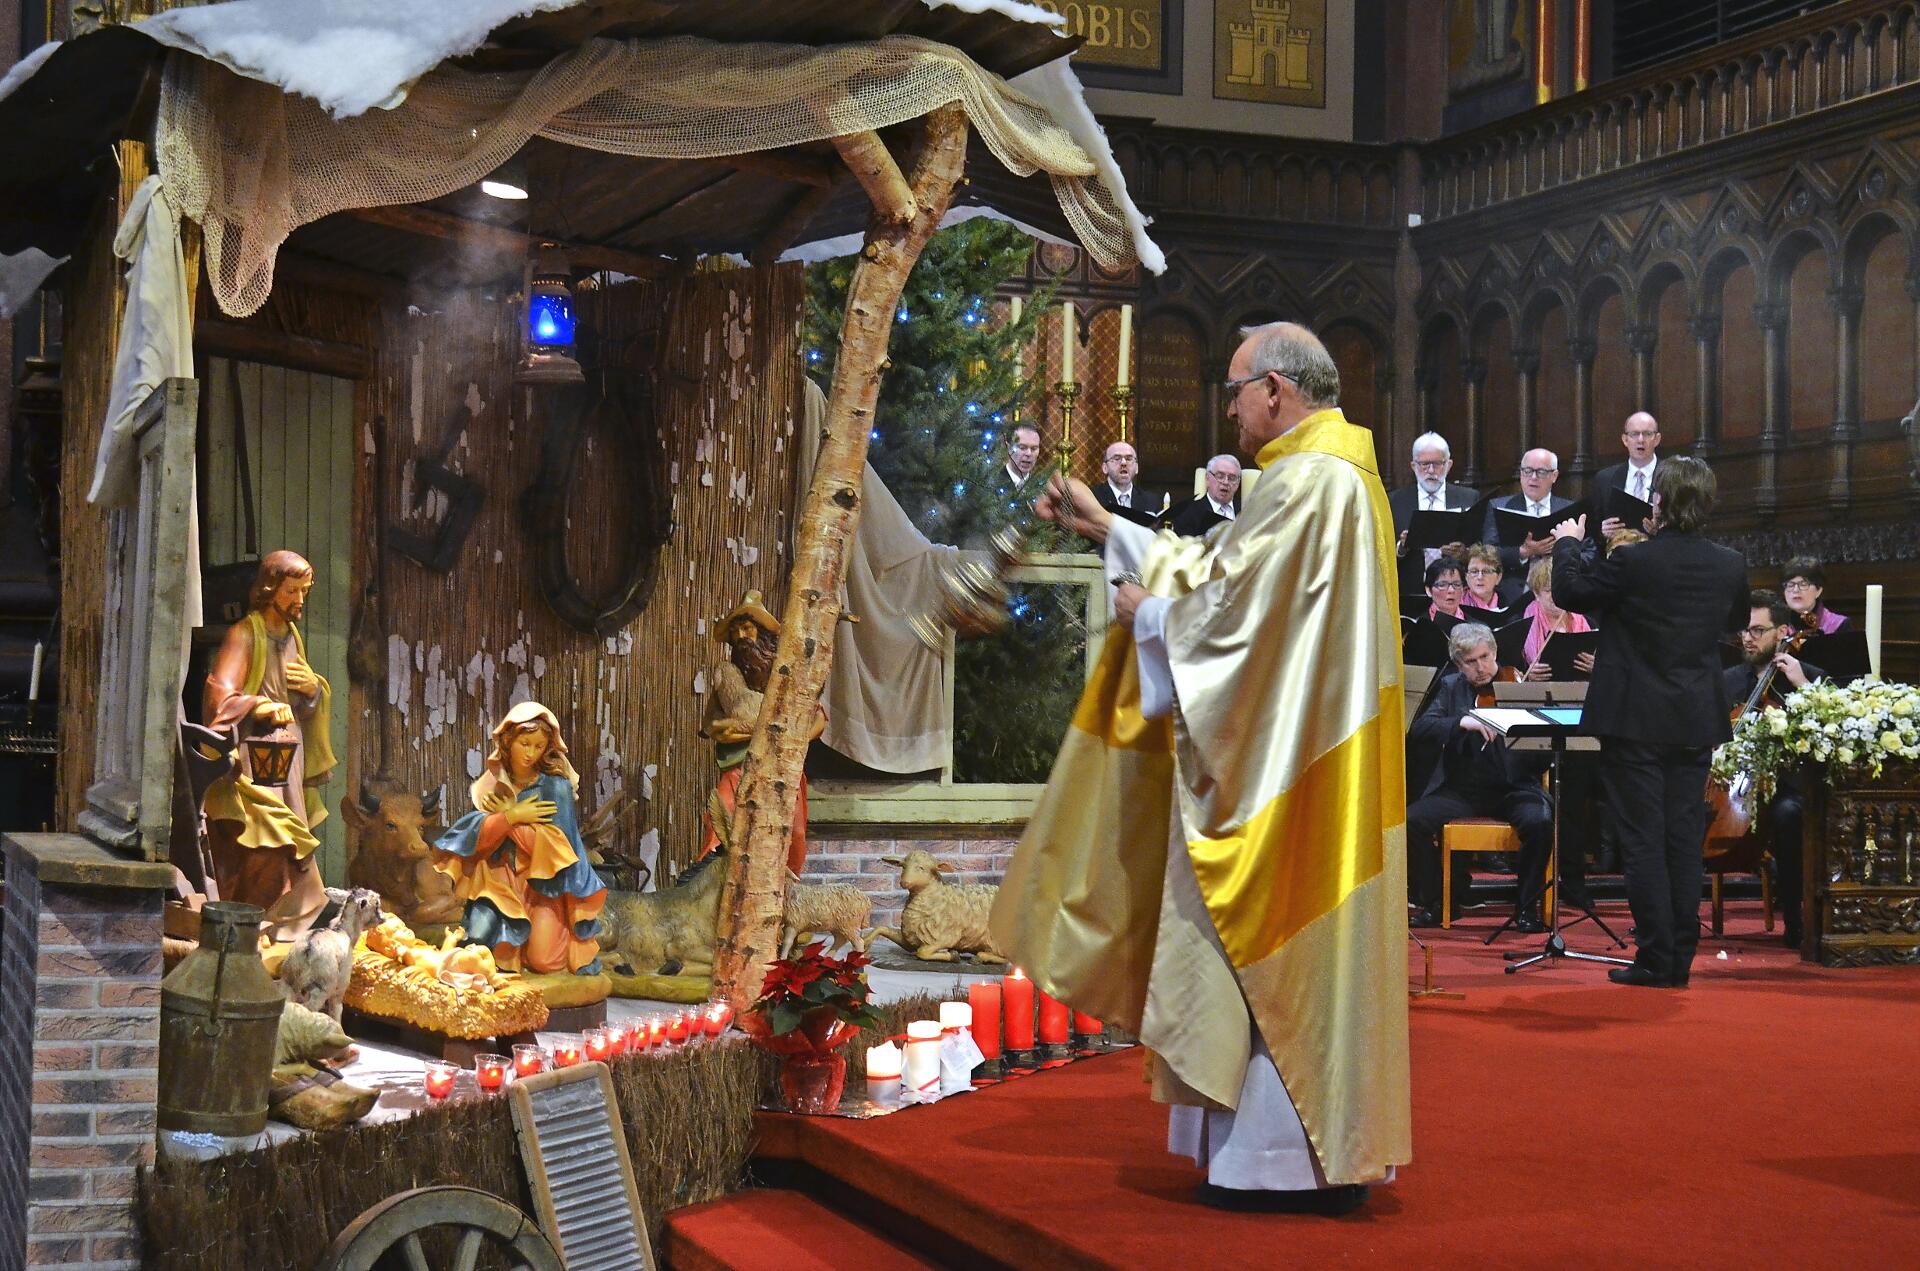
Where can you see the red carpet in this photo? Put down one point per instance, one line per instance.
(1767, 1116)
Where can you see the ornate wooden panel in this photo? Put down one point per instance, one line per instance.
(1863, 871)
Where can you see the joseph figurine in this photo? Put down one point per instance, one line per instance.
(261, 836)
(1219, 859)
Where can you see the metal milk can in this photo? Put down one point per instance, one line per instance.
(219, 1017)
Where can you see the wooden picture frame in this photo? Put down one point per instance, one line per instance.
(1162, 22)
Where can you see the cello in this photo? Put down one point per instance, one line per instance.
(1730, 804)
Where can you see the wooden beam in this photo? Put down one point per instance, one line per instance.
(753, 894)
(871, 163)
(250, 342)
(791, 225)
(788, 165)
(412, 218)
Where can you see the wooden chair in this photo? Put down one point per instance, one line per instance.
(1478, 834)
(1720, 866)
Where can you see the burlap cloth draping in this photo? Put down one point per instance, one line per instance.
(251, 163)
(886, 698)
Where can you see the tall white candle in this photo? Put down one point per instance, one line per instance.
(1069, 332)
(1020, 349)
(1124, 375)
(1875, 594)
(33, 683)
(955, 1015)
(883, 1074)
(922, 1076)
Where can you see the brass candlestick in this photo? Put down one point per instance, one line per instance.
(1068, 391)
(1123, 406)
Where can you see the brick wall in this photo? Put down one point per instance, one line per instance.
(858, 861)
(81, 969)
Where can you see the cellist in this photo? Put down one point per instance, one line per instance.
(1762, 645)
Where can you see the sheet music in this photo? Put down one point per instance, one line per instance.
(1502, 718)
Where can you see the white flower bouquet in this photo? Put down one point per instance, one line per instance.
(1859, 726)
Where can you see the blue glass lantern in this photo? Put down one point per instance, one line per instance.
(550, 323)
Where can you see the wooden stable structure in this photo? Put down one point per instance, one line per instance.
(460, 523)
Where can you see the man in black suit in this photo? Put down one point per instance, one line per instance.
(1657, 701)
(1017, 477)
(1120, 493)
(1221, 502)
(1769, 624)
(1432, 461)
(1475, 776)
(1641, 436)
(1539, 469)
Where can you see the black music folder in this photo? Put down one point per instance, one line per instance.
(1437, 529)
(1423, 641)
(1624, 508)
(1842, 655)
(1514, 527)
(1562, 647)
(1510, 644)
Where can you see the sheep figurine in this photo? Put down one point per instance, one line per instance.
(823, 909)
(941, 920)
(319, 967)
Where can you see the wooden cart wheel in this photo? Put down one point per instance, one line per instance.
(483, 1220)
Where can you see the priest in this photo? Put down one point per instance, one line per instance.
(1219, 860)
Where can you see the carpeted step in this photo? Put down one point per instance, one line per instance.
(773, 1230)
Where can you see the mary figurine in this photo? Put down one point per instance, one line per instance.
(517, 860)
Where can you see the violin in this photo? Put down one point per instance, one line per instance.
(1505, 675)
(1730, 804)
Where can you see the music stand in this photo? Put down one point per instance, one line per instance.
(1556, 723)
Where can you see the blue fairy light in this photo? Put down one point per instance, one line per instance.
(973, 408)
(989, 433)
(813, 355)
(874, 435)
(902, 316)
(959, 487)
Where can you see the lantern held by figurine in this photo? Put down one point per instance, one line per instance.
(270, 756)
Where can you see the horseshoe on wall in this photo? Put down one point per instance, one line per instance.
(622, 412)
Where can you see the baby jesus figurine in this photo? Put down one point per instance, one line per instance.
(517, 859)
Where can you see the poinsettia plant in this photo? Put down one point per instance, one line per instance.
(811, 1001)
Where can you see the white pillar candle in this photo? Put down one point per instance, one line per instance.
(922, 1075)
(883, 1074)
(1124, 375)
(33, 683)
(1019, 350)
(1875, 593)
(955, 1015)
(1069, 332)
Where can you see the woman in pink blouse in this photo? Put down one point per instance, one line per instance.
(1803, 582)
(1547, 619)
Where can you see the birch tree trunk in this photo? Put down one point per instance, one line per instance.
(753, 896)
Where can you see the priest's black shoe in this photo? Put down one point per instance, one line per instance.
(1639, 975)
(1423, 917)
(1328, 1202)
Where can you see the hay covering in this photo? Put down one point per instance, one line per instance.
(689, 1122)
(385, 988)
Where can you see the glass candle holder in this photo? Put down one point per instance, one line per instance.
(677, 1027)
(567, 1051)
(528, 1059)
(617, 1039)
(490, 1072)
(597, 1046)
(439, 1080)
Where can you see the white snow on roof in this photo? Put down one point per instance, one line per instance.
(1057, 88)
(22, 71)
(351, 56)
(1015, 9)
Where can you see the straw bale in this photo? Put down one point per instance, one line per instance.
(688, 1114)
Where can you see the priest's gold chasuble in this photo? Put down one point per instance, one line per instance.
(1280, 773)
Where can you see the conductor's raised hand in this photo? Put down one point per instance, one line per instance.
(1070, 505)
(1574, 527)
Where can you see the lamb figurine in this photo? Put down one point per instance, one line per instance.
(823, 909)
(941, 920)
(319, 967)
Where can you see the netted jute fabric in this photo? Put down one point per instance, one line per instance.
(251, 163)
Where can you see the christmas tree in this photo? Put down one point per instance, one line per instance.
(956, 382)
(952, 394)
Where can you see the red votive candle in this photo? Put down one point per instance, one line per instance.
(528, 1059)
(566, 1052)
(617, 1038)
(719, 1015)
(984, 997)
(1087, 1025)
(677, 1027)
(656, 1033)
(1017, 990)
(490, 1072)
(439, 1080)
(1053, 1021)
(597, 1045)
